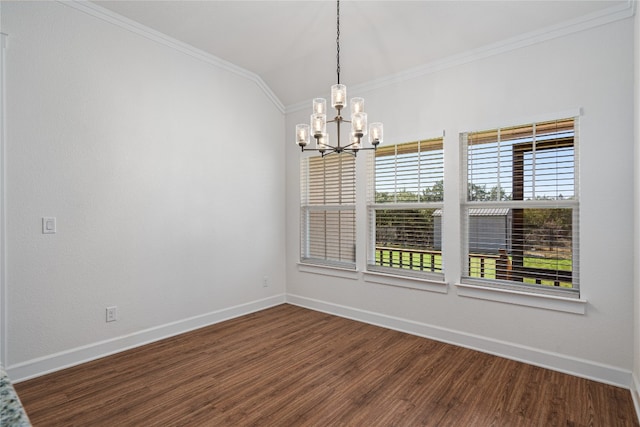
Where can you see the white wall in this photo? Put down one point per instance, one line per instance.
(636, 300)
(169, 204)
(590, 69)
(139, 151)
(2, 221)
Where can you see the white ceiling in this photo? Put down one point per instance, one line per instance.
(291, 45)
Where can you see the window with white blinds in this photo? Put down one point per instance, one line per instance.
(328, 197)
(405, 209)
(520, 217)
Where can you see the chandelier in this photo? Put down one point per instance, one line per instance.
(318, 125)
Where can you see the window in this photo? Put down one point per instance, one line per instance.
(405, 209)
(520, 216)
(328, 196)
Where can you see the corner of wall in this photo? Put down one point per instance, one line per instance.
(635, 394)
(3, 299)
(636, 271)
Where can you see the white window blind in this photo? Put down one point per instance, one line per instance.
(520, 218)
(328, 192)
(405, 208)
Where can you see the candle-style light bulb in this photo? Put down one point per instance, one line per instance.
(323, 142)
(359, 124)
(355, 142)
(375, 133)
(318, 124)
(338, 96)
(302, 135)
(319, 106)
(357, 106)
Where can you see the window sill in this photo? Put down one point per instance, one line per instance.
(328, 270)
(419, 283)
(548, 302)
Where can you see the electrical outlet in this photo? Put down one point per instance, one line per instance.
(265, 282)
(112, 314)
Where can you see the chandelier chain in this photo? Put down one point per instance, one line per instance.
(338, 42)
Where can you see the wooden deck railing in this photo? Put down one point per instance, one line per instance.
(480, 265)
(413, 259)
(542, 274)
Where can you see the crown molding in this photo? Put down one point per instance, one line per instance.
(595, 19)
(158, 37)
(586, 22)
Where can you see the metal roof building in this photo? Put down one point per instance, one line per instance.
(489, 230)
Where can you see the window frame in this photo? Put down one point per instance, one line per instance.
(309, 206)
(377, 273)
(520, 205)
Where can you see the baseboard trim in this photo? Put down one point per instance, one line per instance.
(635, 394)
(558, 362)
(554, 361)
(55, 362)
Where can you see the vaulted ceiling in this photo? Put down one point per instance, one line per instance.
(291, 45)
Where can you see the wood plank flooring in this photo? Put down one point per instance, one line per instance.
(289, 366)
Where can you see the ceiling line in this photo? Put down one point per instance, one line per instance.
(165, 40)
(592, 20)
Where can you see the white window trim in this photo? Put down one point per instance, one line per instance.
(328, 270)
(529, 299)
(315, 265)
(547, 117)
(533, 297)
(423, 280)
(411, 282)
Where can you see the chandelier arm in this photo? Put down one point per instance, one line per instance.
(340, 119)
(333, 149)
(329, 147)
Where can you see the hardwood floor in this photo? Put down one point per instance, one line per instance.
(288, 366)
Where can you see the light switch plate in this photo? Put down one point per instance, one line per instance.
(112, 314)
(48, 225)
